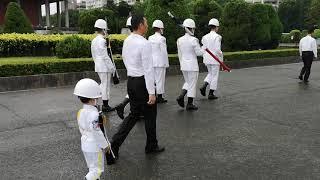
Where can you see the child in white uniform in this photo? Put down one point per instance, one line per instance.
(93, 142)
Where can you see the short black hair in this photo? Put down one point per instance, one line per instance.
(311, 29)
(130, 27)
(212, 26)
(98, 30)
(136, 20)
(84, 100)
(156, 29)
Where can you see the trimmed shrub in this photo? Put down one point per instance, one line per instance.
(236, 26)
(203, 11)
(15, 20)
(295, 36)
(16, 67)
(156, 9)
(73, 47)
(44, 45)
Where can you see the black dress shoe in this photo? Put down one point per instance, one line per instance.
(191, 107)
(180, 101)
(203, 91)
(120, 111)
(155, 150)
(306, 81)
(212, 97)
(107, 109)
(300, 77)
(161, 100)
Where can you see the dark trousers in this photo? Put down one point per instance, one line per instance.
(307, 57)
(139, 97)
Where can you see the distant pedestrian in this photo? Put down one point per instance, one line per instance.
(308, 51)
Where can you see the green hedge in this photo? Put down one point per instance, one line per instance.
(17, 45)
(47, 65)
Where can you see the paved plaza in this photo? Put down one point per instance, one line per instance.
(265, 125)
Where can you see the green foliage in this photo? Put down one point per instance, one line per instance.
(276, 28)
(138, 8)
(47, 65)
(314, 13)
(236, 26)
(156, 9)
(15, 20)
(293, 14)
(73, 47)
(295, 36)
(45, 45)
(88, 18)
(260, 32)
(203, 11)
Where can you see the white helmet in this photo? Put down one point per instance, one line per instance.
(87, 88)
(129, 21)
(101, 24)
(214, 22)
(189, 23)
(158, 24)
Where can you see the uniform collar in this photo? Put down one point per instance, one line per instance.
(213, 32)
(90, 107)
(157, 33)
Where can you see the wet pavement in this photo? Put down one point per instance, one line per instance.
(265, 125)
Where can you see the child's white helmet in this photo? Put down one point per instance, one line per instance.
(87, 88)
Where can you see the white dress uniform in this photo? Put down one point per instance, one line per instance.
(160, 60)
(92, 141)
(212, 41)
(188, 50)
(103, 64)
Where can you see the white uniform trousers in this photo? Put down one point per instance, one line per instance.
(191, 79)
(160, 78)
(213, 75)
(105, 85)
(95, 163)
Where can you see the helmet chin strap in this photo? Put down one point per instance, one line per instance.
(191, 33)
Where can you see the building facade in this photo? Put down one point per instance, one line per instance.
(275, 3)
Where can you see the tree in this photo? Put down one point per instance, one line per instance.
(260, 26)
(276, 28)
(203, 11)
(88, 18)
(124, 9)
(236, 25)
(314, 13)
(293, 14)
(156, 9)
(15, 20)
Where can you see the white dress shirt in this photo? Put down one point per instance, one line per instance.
(188, 50)
(137, 57)
(308, 43)
(159, 50)
(100, 56)
(92, 138)
(212, 41)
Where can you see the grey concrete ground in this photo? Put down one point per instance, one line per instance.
(264, 126)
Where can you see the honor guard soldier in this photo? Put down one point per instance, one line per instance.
(93, 142)
(160, 58)
(103, 64)
(212, 41)
(140, 85)
(308, 51)
(188, 50)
